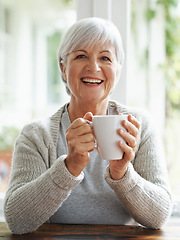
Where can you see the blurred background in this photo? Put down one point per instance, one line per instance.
(30, 84)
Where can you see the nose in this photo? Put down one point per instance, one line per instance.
(93, 65)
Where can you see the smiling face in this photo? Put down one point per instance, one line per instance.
(91, 72)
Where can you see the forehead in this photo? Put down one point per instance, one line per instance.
(97, 47)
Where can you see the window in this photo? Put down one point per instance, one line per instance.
(154, 73)
(30, 84)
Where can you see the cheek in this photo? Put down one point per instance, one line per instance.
(112, 74)
(70, 73)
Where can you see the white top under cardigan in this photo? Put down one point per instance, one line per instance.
(41, 188)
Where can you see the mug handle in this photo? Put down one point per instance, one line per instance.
(90, 123)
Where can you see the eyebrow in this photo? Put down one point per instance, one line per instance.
(107, 51)
(82, 50)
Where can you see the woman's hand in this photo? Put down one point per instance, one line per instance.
(118, 168)
(80, 141)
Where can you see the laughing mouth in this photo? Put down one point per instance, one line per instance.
(91, 81)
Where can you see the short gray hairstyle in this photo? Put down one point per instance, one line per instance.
(86, 32)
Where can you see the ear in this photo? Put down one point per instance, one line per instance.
(61, 66)
(63, 70)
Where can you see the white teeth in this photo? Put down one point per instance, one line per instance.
(88, 80)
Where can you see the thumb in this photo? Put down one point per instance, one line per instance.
(88, 116)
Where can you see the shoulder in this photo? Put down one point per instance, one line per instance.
(147, 123)
(44, 129)
(38, 127)
(143, 116)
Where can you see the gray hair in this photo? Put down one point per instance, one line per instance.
(86, 32)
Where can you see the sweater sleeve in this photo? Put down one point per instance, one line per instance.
(35, 190)
(144, 190)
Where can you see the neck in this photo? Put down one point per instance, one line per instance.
(78, 109)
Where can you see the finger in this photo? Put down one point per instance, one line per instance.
(88, 116)
(130, 127)
(86, 138)
(134, 121)
(79, 122)
(129, 154)
(74, 133)
(128, 138)
(82, 144)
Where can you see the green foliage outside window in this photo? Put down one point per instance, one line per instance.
(54, 82)
(172, 82)
(172, 63)
(171, 66)
(8, 134)
(171, 71)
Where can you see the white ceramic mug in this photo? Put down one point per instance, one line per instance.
(106, 133)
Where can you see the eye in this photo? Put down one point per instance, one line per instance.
(80, 56)
(105, 58)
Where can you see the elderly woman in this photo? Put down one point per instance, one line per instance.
(58, 176)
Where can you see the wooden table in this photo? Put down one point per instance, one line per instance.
(84, 232)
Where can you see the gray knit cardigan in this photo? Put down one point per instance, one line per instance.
(39, 182)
